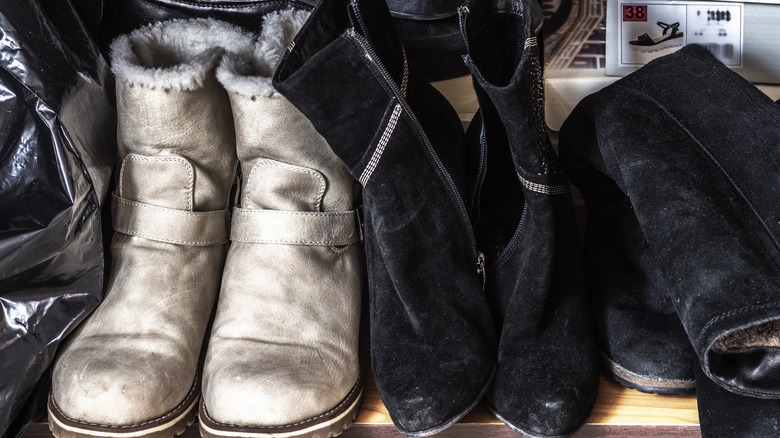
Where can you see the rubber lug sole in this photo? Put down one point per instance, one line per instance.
(646, 384)
(167, 426)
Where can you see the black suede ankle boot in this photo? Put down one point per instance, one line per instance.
(688, 152)
(547, 373)
(433, 343)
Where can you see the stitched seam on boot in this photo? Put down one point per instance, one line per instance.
(340, 249)
(165, 240)
(142, 158)
(732, 313)
(297, 213)
(380, 147)
(170, 210)
(203, 214)
(735, 312)
(318, 204)
(171, 413)
(344, 401)
(353, 235)
(296, 242)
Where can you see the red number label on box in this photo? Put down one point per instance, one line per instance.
(634, 12)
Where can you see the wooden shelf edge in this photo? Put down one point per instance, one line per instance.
(461, 430)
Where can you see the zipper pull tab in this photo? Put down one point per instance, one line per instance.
(481, 268)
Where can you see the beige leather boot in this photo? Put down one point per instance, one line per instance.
(283, 354)
(131, 369)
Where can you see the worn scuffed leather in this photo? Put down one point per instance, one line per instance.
(135, 360)
(284, 345)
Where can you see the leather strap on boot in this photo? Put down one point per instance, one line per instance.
(296, 227)
(181, 227)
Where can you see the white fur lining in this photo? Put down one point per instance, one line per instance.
(175, 54)
(249, 72)
(761, 335)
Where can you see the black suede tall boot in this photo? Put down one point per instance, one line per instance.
(688, 153)
(433, 344)
(547, 373)
(642, 342)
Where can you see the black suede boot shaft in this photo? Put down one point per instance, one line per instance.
(431, 37)
(693, 149)
(547, 373)
(433, 343)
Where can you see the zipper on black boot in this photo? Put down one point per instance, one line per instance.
(400, 96)
(481, 268)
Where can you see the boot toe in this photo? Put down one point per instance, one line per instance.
(117, 389)
(423, 402)
(544, 397)
(264, 392)
(654, 356)
(553, 417)
(422, 415)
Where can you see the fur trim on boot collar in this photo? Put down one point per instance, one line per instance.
(760, 335)
(250, 72)
(175, 54)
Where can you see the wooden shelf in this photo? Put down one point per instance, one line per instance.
(619, 412)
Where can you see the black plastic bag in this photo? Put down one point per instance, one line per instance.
(57, 140)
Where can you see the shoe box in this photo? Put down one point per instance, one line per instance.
(743, 35)
(589, 44)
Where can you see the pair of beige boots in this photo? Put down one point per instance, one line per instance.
(195, 102)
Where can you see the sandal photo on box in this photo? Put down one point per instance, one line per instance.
(670, 37)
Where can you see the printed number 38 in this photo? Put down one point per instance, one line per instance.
(634, 13)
